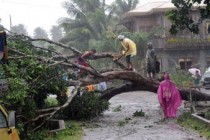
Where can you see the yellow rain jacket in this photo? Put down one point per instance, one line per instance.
(129, 44)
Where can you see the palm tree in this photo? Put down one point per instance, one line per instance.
(40, 33)
(19, 29)
(88, 20)
(123, 6)
(56, 33)
(92, 22)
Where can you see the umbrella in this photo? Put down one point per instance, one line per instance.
(208, 70)
(193, 71)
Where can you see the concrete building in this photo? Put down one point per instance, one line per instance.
(182, 50)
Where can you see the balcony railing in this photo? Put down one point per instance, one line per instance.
(187, 42)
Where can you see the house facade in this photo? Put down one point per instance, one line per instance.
(183, 50)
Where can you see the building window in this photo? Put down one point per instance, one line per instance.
(208, 27)
(207, 62)
(185, 63)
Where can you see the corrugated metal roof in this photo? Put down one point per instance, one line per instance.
(151, 7)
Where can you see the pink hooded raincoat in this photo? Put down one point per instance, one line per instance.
(169, 97)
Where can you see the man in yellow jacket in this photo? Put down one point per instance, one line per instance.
(129, 50)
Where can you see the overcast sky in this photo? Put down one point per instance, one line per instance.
(34, 13)
(31, 13)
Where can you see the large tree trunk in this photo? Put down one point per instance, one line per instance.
(185, 94)
(138, 83)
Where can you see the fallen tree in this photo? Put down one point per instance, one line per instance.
(137, 81)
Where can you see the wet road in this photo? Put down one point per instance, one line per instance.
(205, 90)
(121, 125)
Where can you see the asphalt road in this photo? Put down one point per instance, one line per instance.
(122, 125)
(205, 90)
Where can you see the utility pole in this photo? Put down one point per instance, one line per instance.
(10, 22)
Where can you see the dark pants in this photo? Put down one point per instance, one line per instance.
(128, 58)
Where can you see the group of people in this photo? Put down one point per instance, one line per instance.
(128, 50)
(168, 95)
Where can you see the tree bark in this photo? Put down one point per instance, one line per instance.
(185, 94)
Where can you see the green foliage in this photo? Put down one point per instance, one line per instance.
(19, 29)
(122, 123)
(38, 135)
(186, 120)
(181, 79)
(123, 6)
(96, 27)
(51, 102)
(181, 18)
(73, 131)
(30, 81)
(86, 106)
(17, 91)
(139, 113)
(20, 128)
(89, 22)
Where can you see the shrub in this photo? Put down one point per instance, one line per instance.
(51, 102)
(138, 113)
(86, 106)
(180, 77)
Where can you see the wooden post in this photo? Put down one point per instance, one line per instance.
(191, 101)
(190, 87)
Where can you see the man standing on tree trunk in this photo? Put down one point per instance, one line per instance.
(150, 59)
(129, 50)
(82, 60)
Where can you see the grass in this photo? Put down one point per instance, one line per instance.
(73, 131)
(188, 121)
(139, 113)
(117, 109)
(122, 123)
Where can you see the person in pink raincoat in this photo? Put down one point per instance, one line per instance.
(169, 97)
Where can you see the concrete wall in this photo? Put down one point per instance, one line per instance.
(169, 58)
